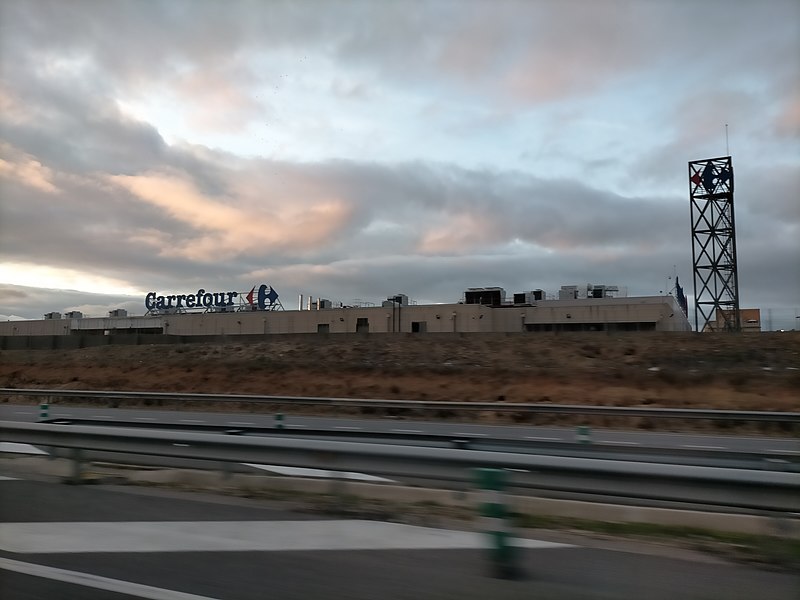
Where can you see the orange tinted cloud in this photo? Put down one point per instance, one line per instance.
(25, 169)
(788, 121)
(225, 227)
(461, 233)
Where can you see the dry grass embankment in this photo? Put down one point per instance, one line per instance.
(740, 372)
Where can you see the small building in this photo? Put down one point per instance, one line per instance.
(749, 318)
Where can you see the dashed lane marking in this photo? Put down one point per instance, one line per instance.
(4, 478)
(702, 447)
(348, 428)
(318, 473)
(543, 438)
(407, 430)
(612, 443)
(17, 448)
(192, 421)
(128, 588)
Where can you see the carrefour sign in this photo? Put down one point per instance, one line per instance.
(263, 300)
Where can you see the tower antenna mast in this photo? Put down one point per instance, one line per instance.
(727, 146)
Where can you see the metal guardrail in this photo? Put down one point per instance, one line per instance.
(776, 461)
(573, 409)
(753, 490)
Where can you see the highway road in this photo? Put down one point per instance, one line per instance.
(114, 543)
(787, 446)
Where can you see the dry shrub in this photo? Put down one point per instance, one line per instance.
(739, 381)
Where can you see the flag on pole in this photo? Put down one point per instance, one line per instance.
(682, 301)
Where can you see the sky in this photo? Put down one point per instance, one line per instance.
(354, 150)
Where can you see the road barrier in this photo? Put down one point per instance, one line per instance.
(775, 460)
(726, 488)
(512, 407)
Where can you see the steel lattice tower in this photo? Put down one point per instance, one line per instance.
(716, 281)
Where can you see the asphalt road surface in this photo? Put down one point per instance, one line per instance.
(633, 439)
(60, 541)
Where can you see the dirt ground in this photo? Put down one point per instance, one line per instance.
(741, 372)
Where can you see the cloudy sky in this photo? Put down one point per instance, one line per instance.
(359, 149)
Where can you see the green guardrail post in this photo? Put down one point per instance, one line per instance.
(497, 523)
(77, 466)
(584, 434)
(279, 421)
(44, 409)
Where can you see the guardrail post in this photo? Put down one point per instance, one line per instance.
(338, 490)
(77, 465)
(584, 434)
(279, 421)
(497, 523)
(44, 409)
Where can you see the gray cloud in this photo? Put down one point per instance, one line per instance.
(32, 303)
(86, 186)
(538, 49)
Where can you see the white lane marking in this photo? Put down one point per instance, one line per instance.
(348, 428)
(542, 438)
(702, 447)
(63, 415)
(469, 434)
(407, 430)
(296, 426)
(17, 448)
(191, 421)
(101, 417)
(24, 412)
(127, 588)
(236, 536)
(319, 473)
(144, 419)
(240, 423)
(779, 451)
(611, 443)
(4, 478)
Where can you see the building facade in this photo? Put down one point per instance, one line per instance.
(646, 313)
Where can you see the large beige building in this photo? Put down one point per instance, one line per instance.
(649, 313)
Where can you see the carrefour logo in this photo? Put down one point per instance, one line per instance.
(264, 299)
(266, 296)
